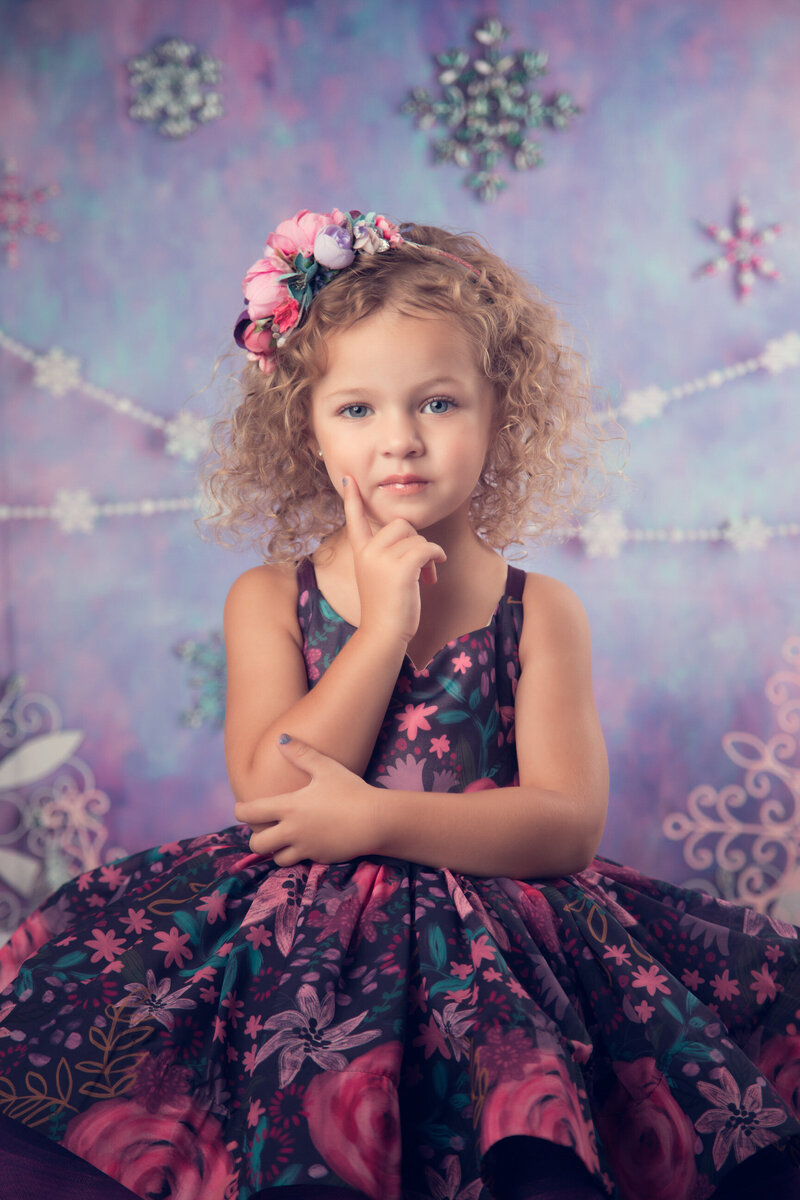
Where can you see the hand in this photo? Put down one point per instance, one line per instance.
(389, 566)
(331, 819)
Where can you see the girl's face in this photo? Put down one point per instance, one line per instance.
(405, 410)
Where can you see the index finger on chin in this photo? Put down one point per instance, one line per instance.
(358, 527)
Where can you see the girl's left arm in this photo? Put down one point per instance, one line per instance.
(549, 825)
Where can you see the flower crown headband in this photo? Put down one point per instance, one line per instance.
(301, 257)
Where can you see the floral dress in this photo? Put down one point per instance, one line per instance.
(198, 1022)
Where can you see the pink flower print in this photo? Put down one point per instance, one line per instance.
(405, 775)
(209, 994)
(725, 987)
(306, 1032)
(170, 848)
(448, 1186)
(279, 893)
(219, 1030)
(413, 718)
(106, 945)
(160, 1080)
(773, 953)
(462, 970)
(739, 1122)
(401, 744)
(235, 1008)
(462, 663)
(480, 950)
(443, 781)
(312, 655)
(113, 876)
(173, 944)
(764, 985)
(620, 955)
(691, 980)
(214, 905)
(206, 972)
(255, 1112)
(644, 1011)
(440, 745)
(153, 1001)
(257, 936)
(651, 979)
(432, 1039)
(491, 975)
(136, 921)
(504, 1054)
(254, 1025)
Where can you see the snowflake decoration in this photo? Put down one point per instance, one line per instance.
(747, 533)
(172, 88)
(604, 535)
(17, 215)
(187, 436)
(208, 662)
(781, 353)
(648, 402)
(488, 107)
(56, 372)
(741, 248)
(74, 512)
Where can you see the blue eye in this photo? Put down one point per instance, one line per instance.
(355, 411)
(438, 405)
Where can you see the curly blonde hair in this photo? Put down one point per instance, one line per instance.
(270, 489)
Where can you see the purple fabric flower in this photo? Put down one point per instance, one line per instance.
(333, 247)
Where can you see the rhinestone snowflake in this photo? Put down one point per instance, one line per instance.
(56, 372)
(207, 661)
(488, 107)
(742, 250)
(187, 436)
(172, 88)
(17, 216)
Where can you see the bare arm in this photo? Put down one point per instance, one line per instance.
(550, 825)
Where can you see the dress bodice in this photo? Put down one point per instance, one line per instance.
(450, 726)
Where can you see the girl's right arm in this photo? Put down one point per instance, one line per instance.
(268, 693)
(267, 687)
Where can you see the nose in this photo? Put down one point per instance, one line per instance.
(401, 437)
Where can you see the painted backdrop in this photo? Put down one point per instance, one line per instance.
(149, 148)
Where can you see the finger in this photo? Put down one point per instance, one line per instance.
(301, 755)
(359, 531)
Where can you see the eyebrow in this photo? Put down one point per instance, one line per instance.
(425, 385)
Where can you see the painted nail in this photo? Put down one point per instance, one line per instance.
(344, 481)
(284, 738)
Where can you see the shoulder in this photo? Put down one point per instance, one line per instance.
(553, 617)
(265, 593)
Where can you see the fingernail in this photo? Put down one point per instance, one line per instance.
(344, 481)
(284, 738)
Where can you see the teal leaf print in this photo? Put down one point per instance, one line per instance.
(451, 718)
(186, 922)
(438, 948)
(450, 686)
(475, 698)
(440, 1079)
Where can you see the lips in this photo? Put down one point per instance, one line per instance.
(403, 485)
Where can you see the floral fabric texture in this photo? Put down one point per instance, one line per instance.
(198, 1022)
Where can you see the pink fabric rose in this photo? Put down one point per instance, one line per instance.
(286, 315)
(178, 1147)
(257, 342)
(389, 231)
(546, 1103)
(262, 288)
(354, 1121)
(297, 234)
(648, 1137)
(779, 1059)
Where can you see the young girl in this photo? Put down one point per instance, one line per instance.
(403, 974)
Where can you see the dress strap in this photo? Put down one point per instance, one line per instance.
(515, 583)
(306, 576)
